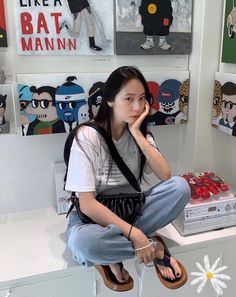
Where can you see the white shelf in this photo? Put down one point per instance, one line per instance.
(33, 243)
(178, 243)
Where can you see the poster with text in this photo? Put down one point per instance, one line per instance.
(147, 27)
(224, 103)
(56, 27)
(3, 34)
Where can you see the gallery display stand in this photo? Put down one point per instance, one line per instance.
(34, 260)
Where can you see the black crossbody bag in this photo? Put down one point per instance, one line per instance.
(127, 206)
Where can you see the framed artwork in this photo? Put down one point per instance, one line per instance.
(147, 27)
(56, 103)
(65, 27)
(7, 115)
(224, 103)
(229, 37)
(3, 34)
(170, 97)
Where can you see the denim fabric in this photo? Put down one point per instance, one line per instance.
(92, 244)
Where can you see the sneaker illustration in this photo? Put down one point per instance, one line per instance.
(147, 44)
(95, 48)
(164, 45)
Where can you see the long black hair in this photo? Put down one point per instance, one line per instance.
(117, 79)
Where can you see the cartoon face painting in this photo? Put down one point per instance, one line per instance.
(216, 107)
(95, 98)
(4, 124)
(154, 89)
(26, 109)
(43, 103)
(168, 96)
(183, 96)
(2, 108)
(69, 99)
(228, 103)
(83, 114)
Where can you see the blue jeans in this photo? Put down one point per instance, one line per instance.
(92, 244)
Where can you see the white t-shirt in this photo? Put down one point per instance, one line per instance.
(88, 169)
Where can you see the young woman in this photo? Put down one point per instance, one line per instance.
(110, 240)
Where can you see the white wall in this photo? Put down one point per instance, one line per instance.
(26, 163)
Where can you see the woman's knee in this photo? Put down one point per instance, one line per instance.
(181, 188)
(82, 245)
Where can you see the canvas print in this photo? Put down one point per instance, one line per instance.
(229, 37)
(224, 103)
(3, 34)
(62, 196)
(170, 97)
(7, 116)
(57, 103)
(147, 27)
(65, 27)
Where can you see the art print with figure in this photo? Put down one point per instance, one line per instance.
(3, 34)
(229, 37)
(224, 103)
(66, 27)
(7, 115)
(159, 27)
(170, 97)
(57, 103)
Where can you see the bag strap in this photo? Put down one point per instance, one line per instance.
(116, 156)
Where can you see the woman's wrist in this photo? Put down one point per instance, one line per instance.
(135, 233)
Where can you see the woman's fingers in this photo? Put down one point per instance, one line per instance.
(146, 256)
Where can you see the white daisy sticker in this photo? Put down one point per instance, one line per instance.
(210, 273)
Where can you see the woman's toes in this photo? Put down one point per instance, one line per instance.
(125, 274)
(121, 275)
(176, 267)
(167, 273)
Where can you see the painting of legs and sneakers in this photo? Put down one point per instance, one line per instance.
(147, 27)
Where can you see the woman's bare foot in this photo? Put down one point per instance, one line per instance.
(121, 274)
(166, 271)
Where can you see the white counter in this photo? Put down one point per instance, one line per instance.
(33, 243)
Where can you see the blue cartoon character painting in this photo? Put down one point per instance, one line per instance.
(70, 97)
(156, 17)
(43, 107)
(26, 109)
(4, 124)
(168, 99)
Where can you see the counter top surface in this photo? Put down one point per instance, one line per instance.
(34, 242)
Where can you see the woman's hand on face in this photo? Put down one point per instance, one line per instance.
(135, 126)
(139, 240)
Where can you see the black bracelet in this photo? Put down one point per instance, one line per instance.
(128, 237)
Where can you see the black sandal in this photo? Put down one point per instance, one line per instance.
(169, 283)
